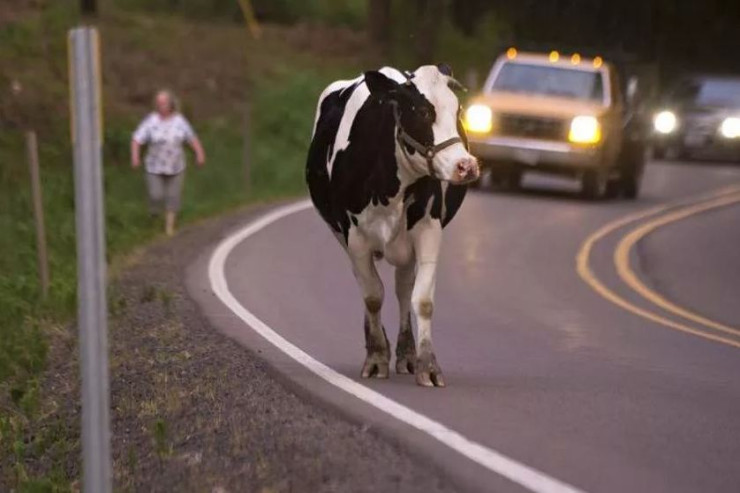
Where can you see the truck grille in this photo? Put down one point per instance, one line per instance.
(532, 127)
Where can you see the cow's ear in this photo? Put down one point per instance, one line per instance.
(445, 69)
(379, 84)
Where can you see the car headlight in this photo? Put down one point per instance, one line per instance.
(479, 118)
(585, 130)
(730, 128)
(665, 122)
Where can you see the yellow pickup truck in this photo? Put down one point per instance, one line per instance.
(557, 114)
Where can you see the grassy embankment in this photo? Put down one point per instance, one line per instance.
(206, 63)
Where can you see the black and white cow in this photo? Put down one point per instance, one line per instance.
(387, 170)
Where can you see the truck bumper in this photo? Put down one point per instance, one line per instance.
(534, 153)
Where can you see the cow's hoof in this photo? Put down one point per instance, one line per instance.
(428, 372)
(405, 365)
(375, 367)
(430, 379)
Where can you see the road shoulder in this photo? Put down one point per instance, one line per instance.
(192, 410)
(228, 422)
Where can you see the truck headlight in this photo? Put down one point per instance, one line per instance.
(585, 130)
(665, 122)
(730, 128)
(479, 118)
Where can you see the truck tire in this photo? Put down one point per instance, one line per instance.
(594, 184)
(676, 152)
(658, 153)
(632, 166)
(486, 176)
(631, 185)
(613, 189)
(513, 180)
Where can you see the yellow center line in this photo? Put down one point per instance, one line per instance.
(583, 267)
(622, 263)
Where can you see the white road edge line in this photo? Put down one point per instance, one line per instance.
(492, 460)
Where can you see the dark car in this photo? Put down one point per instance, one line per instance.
(700, 117)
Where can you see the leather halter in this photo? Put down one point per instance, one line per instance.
(428, 152)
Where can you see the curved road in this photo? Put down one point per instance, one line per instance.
(542, 367)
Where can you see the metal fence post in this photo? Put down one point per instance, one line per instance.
(91, 264)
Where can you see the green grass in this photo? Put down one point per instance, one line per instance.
(282, 123)
(285, 84)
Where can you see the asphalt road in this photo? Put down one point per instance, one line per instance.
(573, 374)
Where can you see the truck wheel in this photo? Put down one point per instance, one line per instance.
(594, 184)
(631, 185)
(676, 153)
(613, 188)
(513, 180)
(495, 179)
(486, 176)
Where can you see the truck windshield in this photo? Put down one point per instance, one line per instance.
(550, 81)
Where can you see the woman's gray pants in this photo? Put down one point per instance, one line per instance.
(164, 191)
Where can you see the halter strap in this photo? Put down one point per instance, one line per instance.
(428, 152)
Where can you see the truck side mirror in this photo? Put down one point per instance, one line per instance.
(632, 90)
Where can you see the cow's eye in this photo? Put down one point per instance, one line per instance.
(425, 114)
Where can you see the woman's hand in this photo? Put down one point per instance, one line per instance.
(135, 154)
(200, 154)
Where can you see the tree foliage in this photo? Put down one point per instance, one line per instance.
(696, 34)
(689, 34)
(89, 7)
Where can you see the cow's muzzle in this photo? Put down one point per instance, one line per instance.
(466, 170)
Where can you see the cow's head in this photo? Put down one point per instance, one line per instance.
(427, 111)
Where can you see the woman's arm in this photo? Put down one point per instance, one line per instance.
(200, 154)
(139, 138)
(135, 154)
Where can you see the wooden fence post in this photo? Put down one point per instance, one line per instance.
(255, 33)
(247, 149)
(38, 211)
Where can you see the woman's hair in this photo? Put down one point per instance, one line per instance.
(174, 100)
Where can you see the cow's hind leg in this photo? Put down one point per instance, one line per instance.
(406, 347)
(376, 343)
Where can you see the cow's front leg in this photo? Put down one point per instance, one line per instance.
(376, 343)
(406, 347)
(427, 239)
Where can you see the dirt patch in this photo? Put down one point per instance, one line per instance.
(194, 411)
(11, 11)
